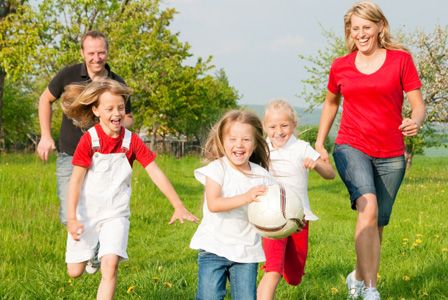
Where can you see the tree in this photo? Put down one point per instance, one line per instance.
(7, 9)
(430, 53)
(215, 96)
(309, 134)
(315, 87)
(167, 92)
(18, 110)
(431, 57)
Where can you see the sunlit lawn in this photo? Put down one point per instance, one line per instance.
(414, 261)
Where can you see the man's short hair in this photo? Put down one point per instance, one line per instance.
(96, 35)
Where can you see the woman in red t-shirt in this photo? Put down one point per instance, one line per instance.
(369, 150)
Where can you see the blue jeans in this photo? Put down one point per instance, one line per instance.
(363, 174)
(64, 170)
(214, 271)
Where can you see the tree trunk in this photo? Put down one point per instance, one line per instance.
(408, 158)
(154, 137)
(2, 125)
(5, 9)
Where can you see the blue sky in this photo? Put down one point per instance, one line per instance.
(257, 42)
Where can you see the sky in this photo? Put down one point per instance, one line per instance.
(258, 42)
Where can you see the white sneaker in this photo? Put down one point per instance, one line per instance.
(355, 287)
(93, 264)
(371, 293)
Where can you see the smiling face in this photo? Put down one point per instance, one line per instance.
(365, 34)
(94, 52)
(239, 144)
(111, 112)
(278, 126)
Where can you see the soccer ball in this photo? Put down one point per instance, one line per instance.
(277, 213)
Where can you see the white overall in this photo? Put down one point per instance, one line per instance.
(106, 191)
(103, 206)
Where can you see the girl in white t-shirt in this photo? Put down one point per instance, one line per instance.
(228, 244)
(291, 158)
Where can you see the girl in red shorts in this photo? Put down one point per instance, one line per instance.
(291, 158)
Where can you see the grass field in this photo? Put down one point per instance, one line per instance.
(161, 266)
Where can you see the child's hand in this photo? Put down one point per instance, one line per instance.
(75, 228)
(301, 224)
(323, 153)
(181, 214)
(309, 163)
(254, 192)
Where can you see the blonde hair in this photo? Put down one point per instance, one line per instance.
(214, 147)
(280, 104)
(79, 98)
(371, 12)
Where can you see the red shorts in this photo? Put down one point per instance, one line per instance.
(287, 256)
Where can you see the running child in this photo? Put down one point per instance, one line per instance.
(291, 158)
(100, 186)
(229, 247)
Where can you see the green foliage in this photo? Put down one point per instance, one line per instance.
(315, 86)
(309, 134)
(18, 42)
(431, 58)
(18, 110)
(170, 97)
(429, 136)
(162, 266)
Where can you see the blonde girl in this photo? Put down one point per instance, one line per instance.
(100, 186)
(291, 158)
(228, 244)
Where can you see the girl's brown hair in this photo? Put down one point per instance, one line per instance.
(214, 147)
(372, 12)
(79, 98)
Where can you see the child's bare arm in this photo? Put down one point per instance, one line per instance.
(77, 178)
(215, 200)
(162, 182)
(322, 167)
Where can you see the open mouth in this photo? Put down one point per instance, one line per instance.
(239, 154)
(363, 42)
(279, 138)
(116, 122)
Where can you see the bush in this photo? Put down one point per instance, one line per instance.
(309, 134)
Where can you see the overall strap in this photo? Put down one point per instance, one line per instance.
(126, 140)
(95, 138)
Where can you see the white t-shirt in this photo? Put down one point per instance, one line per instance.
(287, 168)
(229, 234)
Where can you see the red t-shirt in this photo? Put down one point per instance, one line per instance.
(138, 150)
(372, 103)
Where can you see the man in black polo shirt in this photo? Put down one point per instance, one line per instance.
(94, 50)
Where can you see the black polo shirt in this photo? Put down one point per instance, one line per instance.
(70, 134)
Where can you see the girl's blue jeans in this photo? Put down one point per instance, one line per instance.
(214, 271)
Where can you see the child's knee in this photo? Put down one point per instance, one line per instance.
(109, 265)
(75, 270)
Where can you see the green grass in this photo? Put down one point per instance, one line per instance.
(414, 261)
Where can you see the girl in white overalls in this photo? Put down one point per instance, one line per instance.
(100, 185)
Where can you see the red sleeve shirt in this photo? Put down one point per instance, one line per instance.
(373, 103)
(138, 150)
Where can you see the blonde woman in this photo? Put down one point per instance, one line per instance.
(369, 151)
